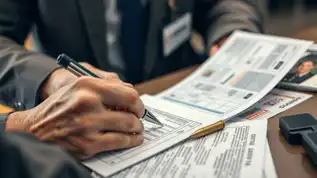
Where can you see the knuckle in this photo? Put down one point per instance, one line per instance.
(137, 126)
(133, 96)
(128, 84)
(113, 75)
(120, 141)
(81, 82)
(135, 140)
(84, 98)
(128, 124)
(89, 149)
(125, 141)
(89, 152)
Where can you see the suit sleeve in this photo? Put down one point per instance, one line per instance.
(217, 19)
(22, 72)
(23, 156)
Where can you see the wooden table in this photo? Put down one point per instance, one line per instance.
(290, 161)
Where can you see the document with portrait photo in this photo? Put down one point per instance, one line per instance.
(303, 75)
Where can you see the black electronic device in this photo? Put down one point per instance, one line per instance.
(294, 126)
(309, 143)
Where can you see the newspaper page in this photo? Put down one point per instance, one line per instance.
(245, 69)
(275, 102)
(303, 76)
(179, 123)
(235, 152)
(269, 168)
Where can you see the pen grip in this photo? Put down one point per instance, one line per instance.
(81, 70)
(74, 67)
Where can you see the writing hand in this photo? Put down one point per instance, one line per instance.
(87, 116)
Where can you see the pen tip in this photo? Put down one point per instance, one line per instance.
(152, 118)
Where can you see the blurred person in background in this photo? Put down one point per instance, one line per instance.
(136, 39)
(123, 41)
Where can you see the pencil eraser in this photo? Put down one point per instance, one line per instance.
(292, 127)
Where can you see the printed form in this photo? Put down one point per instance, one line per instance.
(235, 152)
(274, 103)
(268, 167)
(246, 68)
(179, 123)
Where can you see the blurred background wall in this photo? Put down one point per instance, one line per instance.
(288, 17)
(283, 17)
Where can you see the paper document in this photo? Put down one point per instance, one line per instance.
(272, 104)
(303, 76)
(245, 69)
(235, 152)
(269, 168)
(179, 123)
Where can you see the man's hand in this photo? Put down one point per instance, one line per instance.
(214, 48)
(62, 77)
(86, 117)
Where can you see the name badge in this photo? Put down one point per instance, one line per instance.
(176, 33)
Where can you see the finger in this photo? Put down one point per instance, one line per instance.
(213, 50)
(81, 102)
(51, 122)
(116, 94)
(115, 140)
(53, 134)
(107, 142)
(108, 75)
(128, 85)
(69, 147)
(65, 126)
(116, 121)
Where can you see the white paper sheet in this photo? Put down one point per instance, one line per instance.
(272, 104)
(179, 123)
(235, 152)
(245, 69)
(269, 168)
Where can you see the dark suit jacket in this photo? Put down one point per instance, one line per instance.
(23, 156)
(77, 27)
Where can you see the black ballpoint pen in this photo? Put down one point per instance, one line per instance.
(78, 70)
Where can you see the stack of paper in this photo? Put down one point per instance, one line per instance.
(237, 151)
(232, 82)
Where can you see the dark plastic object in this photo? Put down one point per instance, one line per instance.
(293, 127)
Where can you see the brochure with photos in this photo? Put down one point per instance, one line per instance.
(303, 76)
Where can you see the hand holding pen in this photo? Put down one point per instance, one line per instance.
(79, 117)
(83, 114)
(80, 71)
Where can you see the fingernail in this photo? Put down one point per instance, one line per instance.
(141, 138)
